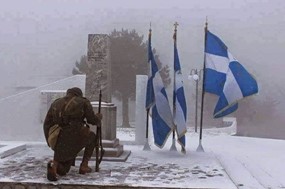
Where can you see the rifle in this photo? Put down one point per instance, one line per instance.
(99, 139)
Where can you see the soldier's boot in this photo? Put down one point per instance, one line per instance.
(51, 170)
(84, 168)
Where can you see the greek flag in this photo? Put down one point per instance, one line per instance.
(179, 102)
(157, 101)
(225, 77)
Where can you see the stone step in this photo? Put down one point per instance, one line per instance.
(111, 152)
(10, 149)
(112, 148)
(110, 143)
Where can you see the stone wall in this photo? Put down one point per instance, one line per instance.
(12, 185)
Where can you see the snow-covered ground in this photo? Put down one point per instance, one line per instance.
(250, 162)
(228, 162)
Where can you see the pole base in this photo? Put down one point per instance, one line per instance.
(146, 146)
(183, 150)
(173, 146)
(200, 148)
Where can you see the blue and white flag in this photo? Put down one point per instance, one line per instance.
(156, 99)
(179, 102)
(225, 77)
(150, 99)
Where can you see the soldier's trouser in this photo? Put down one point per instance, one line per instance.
(64, 167)
(89, 148)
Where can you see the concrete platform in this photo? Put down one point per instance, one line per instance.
(158, 168)
(122, 158)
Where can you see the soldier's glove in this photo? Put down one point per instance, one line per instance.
(99, 116)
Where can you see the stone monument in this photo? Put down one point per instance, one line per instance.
(99, 58)
(141, 82)
(98, 55)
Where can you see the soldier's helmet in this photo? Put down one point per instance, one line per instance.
(75, 90)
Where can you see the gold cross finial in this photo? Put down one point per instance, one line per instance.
(149, 34)
(175, 26)
(175, 32)
(206, 24)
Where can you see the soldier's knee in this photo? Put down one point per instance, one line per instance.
(63, 168)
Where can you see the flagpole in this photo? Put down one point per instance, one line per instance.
(200, 147)
(146, 146)
(173, 147)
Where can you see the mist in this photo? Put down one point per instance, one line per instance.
(41, 40)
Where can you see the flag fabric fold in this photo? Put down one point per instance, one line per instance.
(225, 77)
(157, 101)
(179, 102)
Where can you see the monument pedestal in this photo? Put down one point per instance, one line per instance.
(114, 151)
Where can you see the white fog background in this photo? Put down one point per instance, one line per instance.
(41, 40)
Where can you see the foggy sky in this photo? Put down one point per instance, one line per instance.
(44, 38)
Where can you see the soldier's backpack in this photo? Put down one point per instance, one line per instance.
(55, 129)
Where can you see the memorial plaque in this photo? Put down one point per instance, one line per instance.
(99, 58)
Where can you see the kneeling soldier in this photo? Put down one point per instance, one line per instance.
(70, 113)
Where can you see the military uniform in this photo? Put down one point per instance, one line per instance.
(71, 112)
